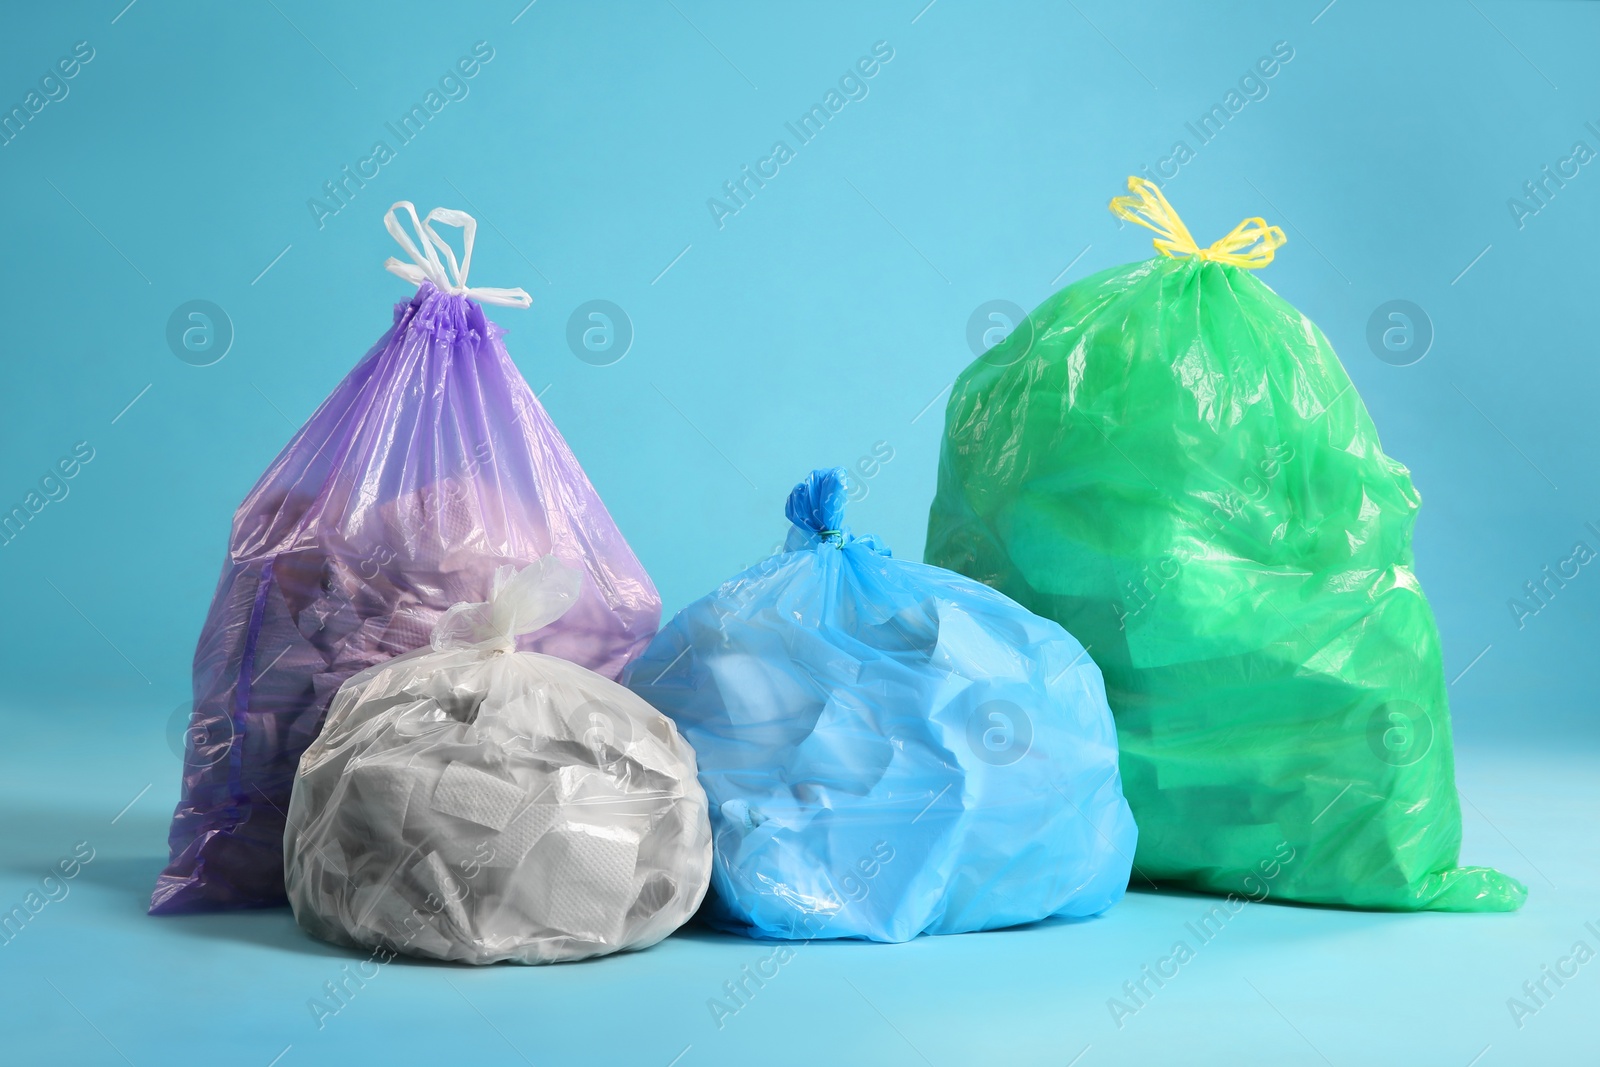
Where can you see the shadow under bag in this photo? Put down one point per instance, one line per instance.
(431, 464)
(1169, 460)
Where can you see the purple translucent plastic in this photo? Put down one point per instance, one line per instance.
(430, 465)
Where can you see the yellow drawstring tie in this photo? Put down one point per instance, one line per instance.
(1250, 244)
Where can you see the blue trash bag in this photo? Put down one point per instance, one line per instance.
(889, 748)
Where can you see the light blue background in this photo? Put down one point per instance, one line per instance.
(825, 317)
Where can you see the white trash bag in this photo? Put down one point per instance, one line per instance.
(474, 803)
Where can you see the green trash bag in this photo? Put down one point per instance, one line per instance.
(1169, 460)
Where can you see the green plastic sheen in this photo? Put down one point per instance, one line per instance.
(1170, 461)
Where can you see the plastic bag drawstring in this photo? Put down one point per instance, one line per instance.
(1250, 244)
(426, 265)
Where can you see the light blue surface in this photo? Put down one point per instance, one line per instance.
(818, 325)
(91, 970)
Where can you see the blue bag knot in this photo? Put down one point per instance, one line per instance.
(816, 505)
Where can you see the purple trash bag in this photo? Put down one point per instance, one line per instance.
(431, 465)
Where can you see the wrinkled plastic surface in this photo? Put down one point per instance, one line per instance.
(1170, 461)
(430, 465)
(474, 803)
(889, 748)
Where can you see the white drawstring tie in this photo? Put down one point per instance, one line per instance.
(425, 265)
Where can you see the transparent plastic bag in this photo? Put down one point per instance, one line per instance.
(889, 748)
(474, 803)
(430, 465)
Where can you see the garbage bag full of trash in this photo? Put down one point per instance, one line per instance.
(474, 803)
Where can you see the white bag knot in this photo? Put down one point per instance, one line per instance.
(426, 265)
(520, 603)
